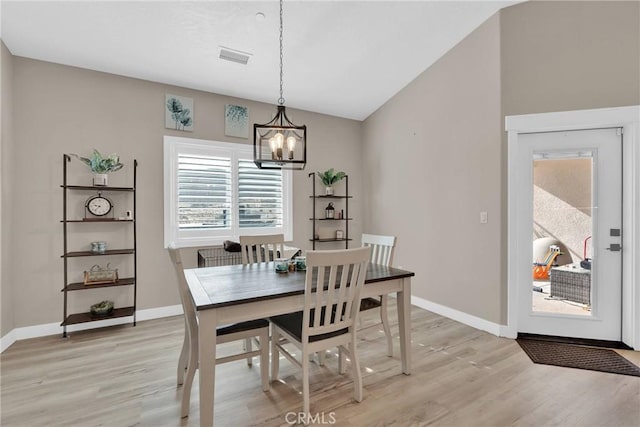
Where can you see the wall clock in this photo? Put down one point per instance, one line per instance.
(98, 206)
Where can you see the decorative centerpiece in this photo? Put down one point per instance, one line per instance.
(103, 308)
(330, 177)
(301, 263)
(98, 247)
(282, 265)
(101, 166)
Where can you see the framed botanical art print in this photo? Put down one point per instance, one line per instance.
(236, 121)
(178, 113)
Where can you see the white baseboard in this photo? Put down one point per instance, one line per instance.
(7, 340)
(459, 316)
(36, 331)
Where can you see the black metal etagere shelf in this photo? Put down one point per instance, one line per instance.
(315, 218)
(129, 311)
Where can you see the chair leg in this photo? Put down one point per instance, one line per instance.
(264, 359)
(305, 388)
(322, 355)
(184, 357)
(192, 365)
(248, 347)
(385, 324)
(275, 353)
(357, 375)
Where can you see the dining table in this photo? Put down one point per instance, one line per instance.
(237, 293)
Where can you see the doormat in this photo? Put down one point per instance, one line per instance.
(577, 356)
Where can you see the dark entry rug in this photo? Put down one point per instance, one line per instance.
(577, 356)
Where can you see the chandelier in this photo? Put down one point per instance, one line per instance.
(280, 144)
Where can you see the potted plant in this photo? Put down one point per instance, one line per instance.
(330, 177)
(101, 165)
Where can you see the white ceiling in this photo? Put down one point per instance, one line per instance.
(344, 58)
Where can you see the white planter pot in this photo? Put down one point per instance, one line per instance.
(328, 191)
(100, 179)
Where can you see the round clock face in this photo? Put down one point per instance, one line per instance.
(99, 206)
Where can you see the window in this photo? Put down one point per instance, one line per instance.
(214, 192)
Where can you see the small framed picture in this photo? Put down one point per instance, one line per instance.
(339, 234)
(178, 113)
(236, 121)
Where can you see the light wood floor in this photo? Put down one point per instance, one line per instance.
(125, 376)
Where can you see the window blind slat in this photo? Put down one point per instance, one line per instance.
(259, 196)
(204, 192)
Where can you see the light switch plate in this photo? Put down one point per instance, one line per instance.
(484, 218)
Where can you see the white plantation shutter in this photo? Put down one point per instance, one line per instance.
(204, 192)
(214, 192)
(259, 196)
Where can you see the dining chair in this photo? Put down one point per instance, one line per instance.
(333, 282)
(188, 360)
(254, 249)
(263, 248)
(382, 248)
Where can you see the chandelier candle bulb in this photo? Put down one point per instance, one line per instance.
(291, 145)
(272, 145)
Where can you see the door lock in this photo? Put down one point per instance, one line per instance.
(614, 247)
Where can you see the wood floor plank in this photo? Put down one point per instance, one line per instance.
(125, 376)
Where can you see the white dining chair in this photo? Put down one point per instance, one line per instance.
(263, 248)
(333, 283)
(254, 249)
(382, 248)
(188, 360)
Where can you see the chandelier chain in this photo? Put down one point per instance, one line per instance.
(281, 99)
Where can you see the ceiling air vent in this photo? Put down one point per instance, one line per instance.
(234, 55)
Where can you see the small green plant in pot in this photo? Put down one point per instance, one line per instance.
(330, 177)
(101, 165)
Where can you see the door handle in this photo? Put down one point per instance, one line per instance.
(614, 247)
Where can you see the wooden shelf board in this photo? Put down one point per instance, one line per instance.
(330, 240)
(107, 252)
(91, 220)
(332, 219)
(80, 286)
(87, 317)
(331, 197)
(97, 188)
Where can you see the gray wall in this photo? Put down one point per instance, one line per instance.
(572, 55)
(6, 111)
(432, 163)
(438, 148)
(60, 109)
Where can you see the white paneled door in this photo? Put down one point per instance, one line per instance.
(570, 192)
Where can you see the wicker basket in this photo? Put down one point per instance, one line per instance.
(98, 275)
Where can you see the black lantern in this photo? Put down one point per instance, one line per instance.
(330, 212)
(280, 144)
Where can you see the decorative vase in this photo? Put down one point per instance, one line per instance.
(100, 179)
(328, 191)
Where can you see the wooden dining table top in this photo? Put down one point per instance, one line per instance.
(222, 286)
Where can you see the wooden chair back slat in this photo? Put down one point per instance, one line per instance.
(382, 248)
(264, 248)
